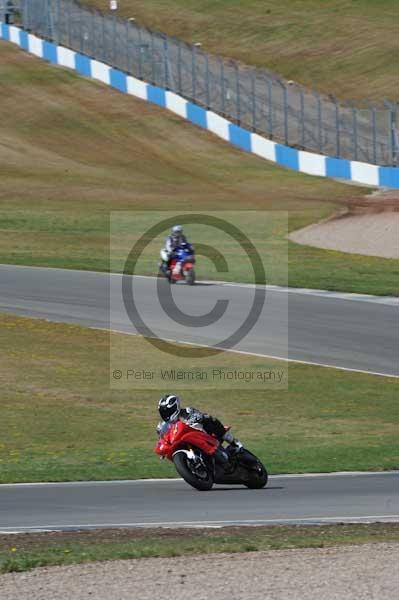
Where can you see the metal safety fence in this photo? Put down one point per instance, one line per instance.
(253, 98)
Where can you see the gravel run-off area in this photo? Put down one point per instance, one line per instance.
(374, 234)
(362, 572)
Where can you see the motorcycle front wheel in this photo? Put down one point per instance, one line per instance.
(203, 484)
(257, 478)
(256, 473)
(190, 277)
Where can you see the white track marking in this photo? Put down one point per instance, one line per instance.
(178, 479)
(260, 355)
(336, 474)
(213, 524)
(385, 300)
(320, 293)
(93, 483)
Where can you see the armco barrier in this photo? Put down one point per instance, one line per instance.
(298, 160)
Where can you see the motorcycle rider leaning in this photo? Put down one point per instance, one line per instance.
(173, 241)
(170, 410)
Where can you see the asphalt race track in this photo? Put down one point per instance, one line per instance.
(286, 499)
(358, 333)
(345, 331)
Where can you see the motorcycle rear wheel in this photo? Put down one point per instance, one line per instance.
(203, 485)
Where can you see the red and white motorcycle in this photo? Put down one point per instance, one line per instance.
(193, 453)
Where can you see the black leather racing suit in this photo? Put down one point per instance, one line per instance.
(210, 424)
(171, 243)
(174, 241)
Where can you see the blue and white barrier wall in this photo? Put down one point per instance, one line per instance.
(298, 160)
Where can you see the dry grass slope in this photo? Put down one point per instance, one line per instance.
(72, 150)
(344, 47)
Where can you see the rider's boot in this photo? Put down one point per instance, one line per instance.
(235, 444)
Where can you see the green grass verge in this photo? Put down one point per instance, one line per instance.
(27, 551)
(61, 421)
(344, 47)
(87, 150)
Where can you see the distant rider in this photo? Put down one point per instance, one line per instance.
(170, 410)
(173, 241)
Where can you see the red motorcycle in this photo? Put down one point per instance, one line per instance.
(192, 451)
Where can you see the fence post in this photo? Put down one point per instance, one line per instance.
(22, 9)
(93, 49)
(56, 26)
(337, 128)
(24, 14)
(319, 123)
(127, 46)
(355, 140)
(193, 72)
(253, 93)
(152, 59)
(270, 101)
(393, 131)
(374, 130)
(208, 96)
(49, 32)
(395, 135)
(302, 118)
(104, 45)
(80, 35)
(222, 86)
(238, 96)
(69, 22)
(140, 51)
(285, 94)
(179, 65)
(27, 15)
(114, 36)
(285, 110)
(165, 59)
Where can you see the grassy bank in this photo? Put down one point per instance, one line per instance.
(61, 421)
(27, 551)
(336, 47)
(87, 150)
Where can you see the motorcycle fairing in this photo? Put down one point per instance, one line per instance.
(180, 434)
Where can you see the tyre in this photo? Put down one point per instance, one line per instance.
(190, 277)
(255, 473)
(202, 484)
(257, 477)
(162, 271)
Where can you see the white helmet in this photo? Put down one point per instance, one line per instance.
(177, 230)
